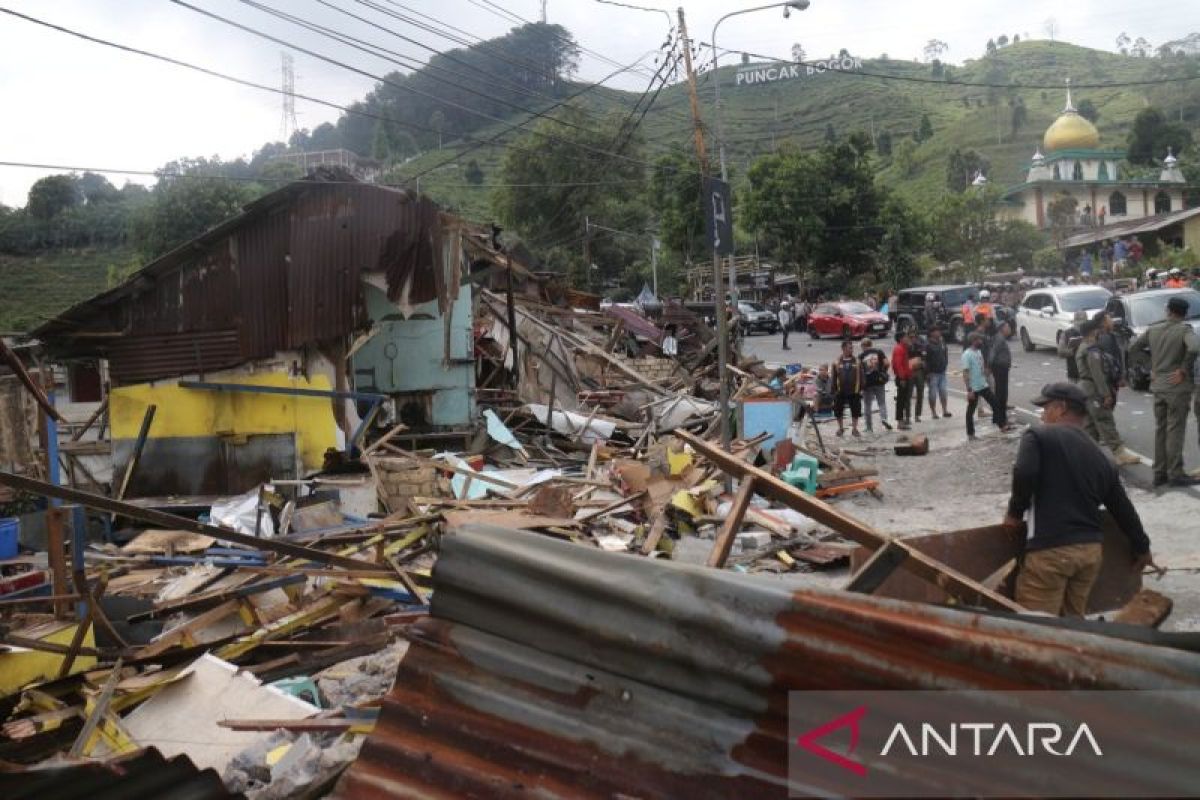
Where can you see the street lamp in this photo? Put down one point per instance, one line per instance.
(787, 7)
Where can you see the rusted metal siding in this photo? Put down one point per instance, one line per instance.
(137, 359)
(262, 270)
(283, 274)
(553, 670)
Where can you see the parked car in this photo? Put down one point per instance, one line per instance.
(910, 308)
(1044, 314)
(1133, 313)
(847, 321)
(753, 317)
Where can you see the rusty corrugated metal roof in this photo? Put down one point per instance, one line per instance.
(553, 670)
(144, 775)
(282, 274)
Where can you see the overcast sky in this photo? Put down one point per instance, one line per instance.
(71, 102)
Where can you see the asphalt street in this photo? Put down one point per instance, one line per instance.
(1030, 371)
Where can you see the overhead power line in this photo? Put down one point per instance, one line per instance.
(273, 89)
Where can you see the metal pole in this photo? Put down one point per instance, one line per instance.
(718, 295)
(654, 264)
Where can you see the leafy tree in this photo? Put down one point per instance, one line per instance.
(473, 173)
(1087, 109)
(905, 157)
(1152, 135)
(325, 137)
(903, 236)
(961, 168)
(1141, 47)
(1123, 41)
(674, 194)
(381, 143)
(935, 69)
(96, 188)
(50, 196)
(964, 227)
(1019, 116)
(934, 49)
(821, 208)
(551, 217)
(991, 46)
(1002, 41)
(797, 52)
(437, 121)
(1016, 38)
(185, 207)
(1061, 213)
(925, 132)
(884, 144)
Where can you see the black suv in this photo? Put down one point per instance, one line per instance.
(910, 308)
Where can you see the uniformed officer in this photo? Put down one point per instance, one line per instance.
(1099, 375)
(1173, 346)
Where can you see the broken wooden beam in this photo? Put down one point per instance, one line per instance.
(769, 486)
(732, 524)
(174, 522)
(882, 563)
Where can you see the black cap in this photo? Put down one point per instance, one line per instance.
(1177, 305)
(1061, 391)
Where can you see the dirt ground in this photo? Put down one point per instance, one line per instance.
(962, 484)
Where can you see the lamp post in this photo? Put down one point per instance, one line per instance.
(798, 5)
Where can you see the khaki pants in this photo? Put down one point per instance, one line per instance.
(1058, 580)
(1170, 428)
(1101, 425)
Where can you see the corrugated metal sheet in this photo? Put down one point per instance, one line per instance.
(137, 359)
(283, 274)
(553, 670)
(145, 775)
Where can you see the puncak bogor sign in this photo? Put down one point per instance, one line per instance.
(749, 76)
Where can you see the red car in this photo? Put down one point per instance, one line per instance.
(847, 321)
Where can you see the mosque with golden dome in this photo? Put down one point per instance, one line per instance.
(1071, 161)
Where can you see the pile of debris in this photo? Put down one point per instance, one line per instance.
(259, 636)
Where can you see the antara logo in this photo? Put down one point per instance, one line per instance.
(961, 738)
(1003, 737)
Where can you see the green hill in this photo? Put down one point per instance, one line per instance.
(36, 287)
(798, 111)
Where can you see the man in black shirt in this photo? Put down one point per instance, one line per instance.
(1068, 344)
(937, 359)
(1061, 477)
(847, 374)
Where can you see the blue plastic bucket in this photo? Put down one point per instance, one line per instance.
(9, 527)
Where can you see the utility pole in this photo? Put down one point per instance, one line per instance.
(587, 252)
(718, 295)
(654, 262)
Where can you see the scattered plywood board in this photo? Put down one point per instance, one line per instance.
(183, 718)
(504, 519)
(153, 542)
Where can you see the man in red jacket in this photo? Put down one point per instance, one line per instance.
(902, 369)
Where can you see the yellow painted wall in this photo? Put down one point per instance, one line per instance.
(1191, 234)
(21, 668)
(198, 412)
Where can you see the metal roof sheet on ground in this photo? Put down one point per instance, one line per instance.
(144, 775)
(553, 670)
(1131, 227)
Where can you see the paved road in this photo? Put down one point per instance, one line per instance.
(1031, 371)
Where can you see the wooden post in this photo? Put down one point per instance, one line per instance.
(512, 324)
(733, 523)
(136, 455)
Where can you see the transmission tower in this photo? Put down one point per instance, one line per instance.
(288, 126)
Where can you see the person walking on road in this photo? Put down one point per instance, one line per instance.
(1068, 344)
(847, 387)
(902, 368)
(784, 316)
(1173, 346)
(999, 362)
(917, 349)
(1099, 377)
(976, 381)
(1061, 477)
(875, 379)
(937, 360)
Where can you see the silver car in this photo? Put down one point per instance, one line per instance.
(1045, 314)
(1133, 313)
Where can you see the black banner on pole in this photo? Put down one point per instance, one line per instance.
(718, 212)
